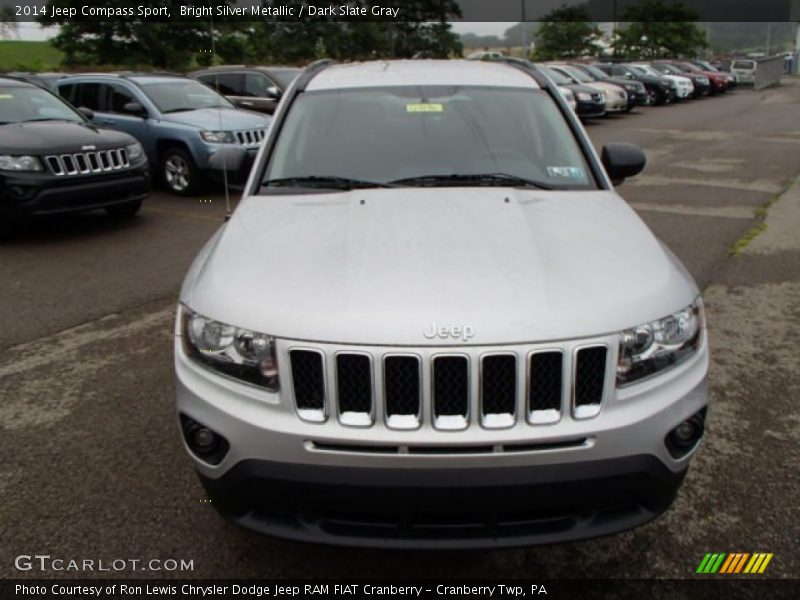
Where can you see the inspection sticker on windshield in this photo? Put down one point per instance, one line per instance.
(425, 107)
(567, 172)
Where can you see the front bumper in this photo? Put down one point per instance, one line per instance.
(377, 486)
(590, 109)
(40, 193)
(637, 98)
(444, 508)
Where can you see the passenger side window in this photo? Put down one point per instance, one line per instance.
(67, 92)
(116, 97)
(87, 95)
(256, 85)
(227, 84)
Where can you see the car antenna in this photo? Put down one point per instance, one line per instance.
(219, 112)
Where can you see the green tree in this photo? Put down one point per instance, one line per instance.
(132, 41)
(657, 29)
(566, 32)
(9, 28)
(423, 31)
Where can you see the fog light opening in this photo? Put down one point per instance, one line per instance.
(204, 443)
(684, 437)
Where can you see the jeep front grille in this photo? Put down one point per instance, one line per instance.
(86, 163)
(441, 388)
(250, 137)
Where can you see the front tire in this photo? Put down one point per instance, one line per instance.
(178, 172)
(124, 211)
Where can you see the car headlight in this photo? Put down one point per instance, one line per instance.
(232, 351)
(660, 344)
(217, 137)
(19, 163)
(584, 97)
(135, 152)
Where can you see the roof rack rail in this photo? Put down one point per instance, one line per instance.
(528, 67)
(311, 70)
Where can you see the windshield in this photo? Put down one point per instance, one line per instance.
(427, 135)
(669, 69)
(558, 78)
(576, 74)
(19, 104)
(748, 65)
(595, 72)
(173, 95)
(645, 70)
(285, 76)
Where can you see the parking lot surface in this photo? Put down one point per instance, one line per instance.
(93, 466)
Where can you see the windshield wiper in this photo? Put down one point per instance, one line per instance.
(329, 181)
(478, 179)
(182, 109)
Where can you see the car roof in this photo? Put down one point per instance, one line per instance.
(221, 68)
(420, 72)
(14, 81)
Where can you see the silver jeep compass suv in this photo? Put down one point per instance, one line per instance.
(432, 322)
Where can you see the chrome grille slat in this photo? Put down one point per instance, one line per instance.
(249, 137)
(590, 371)
(402, 389)
(354, 388)
(545, 387)
(498, 383)
(451, 392)
(449, 389)
(308, 383)
(85, 163)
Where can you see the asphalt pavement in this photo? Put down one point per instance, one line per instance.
(92, 463)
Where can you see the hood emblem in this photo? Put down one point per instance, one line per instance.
(88, 147)
(452, 332)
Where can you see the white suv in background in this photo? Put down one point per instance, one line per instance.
(685, 87)
(432, 322)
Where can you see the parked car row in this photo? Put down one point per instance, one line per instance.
(595, 89)
(95, 140)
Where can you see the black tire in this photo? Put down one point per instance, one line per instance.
(124, 211)
(179, 174)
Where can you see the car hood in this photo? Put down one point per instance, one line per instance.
(219, 119)
(380, 266)
(581, 88)
(679, 79)
(622, 82)
(53, 137)
(611, 88)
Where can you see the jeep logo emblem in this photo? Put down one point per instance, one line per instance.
(455, 332)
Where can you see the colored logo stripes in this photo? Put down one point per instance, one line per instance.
(735, 562)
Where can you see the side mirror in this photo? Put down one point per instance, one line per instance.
(273, 92)
(231, 163)
(622, 161)
(86, 112)
(134, 108)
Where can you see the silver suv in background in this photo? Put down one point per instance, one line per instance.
(424, 326)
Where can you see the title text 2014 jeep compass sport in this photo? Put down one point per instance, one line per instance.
(431, 322)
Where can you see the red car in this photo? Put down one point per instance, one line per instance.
(719, 81)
